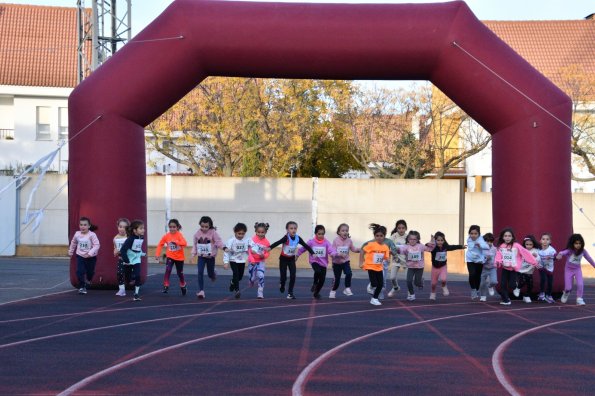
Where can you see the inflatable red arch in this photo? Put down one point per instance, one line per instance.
(444, 43)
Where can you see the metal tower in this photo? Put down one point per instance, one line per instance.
(101, 30)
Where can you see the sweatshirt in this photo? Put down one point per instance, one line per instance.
(84, 245)
(289, 247)
(490, 255)
(399, 240)
(132, 249)
(547, 258)
(257, 249)
(414, 255)
(205, 244)
(342, 247)
(574, 260)
(510, 257)
(237, 250)
(322, 249)
(175, 246)
(528, 268)
(374, 255)
(475, 249)
(439, 255)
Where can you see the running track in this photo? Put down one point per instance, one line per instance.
(168, 344)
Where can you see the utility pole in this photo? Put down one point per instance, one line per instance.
(101, 30)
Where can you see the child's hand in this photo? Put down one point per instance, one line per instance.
(559, 256)
(534, 254)
(226, 266)
(116, 252)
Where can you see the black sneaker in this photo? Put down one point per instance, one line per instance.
(281, 287)
(317, 296)
(231, 286)
(165, 289)
(136, 297)
(184, 290)
(290, 296)
(238, 294)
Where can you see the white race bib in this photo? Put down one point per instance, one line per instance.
(258, 249)
(508, 259)
(319, 251)
(137, 245)
(343, 249)
(240, 247)
(576, 260)
(378, 258)
(119, 242)
(413, 256)
(289, 250)
(204, 249)
(173, 247)
(84, 245)
(440, 256)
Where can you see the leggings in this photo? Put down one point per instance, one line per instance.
(474, 274)
(526, 279)
(319, 277)
(377, 281)
(507, 278)
(169, 263)
(285, 263)
(573, 272)
(209, 262)
(127, 271)
(237, 270)
(416, 273)
(546, 275)
(85, 266)
(342, 268)
(256, 270)
(438, 274)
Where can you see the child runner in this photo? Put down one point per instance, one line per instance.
(475, 258)
(322, 249)
(414, 256)
(341, 263)
(258, 251)
(372, 255)
(289, 244)
(122, 271)
(526, 271)
(489, 269)
(86, 246)
(132, 251)
(399, 237)
(174, 253)
(509, 257)
(236, 254)
(574, 253)
(439, 267)
(546, 273)
(206, 242)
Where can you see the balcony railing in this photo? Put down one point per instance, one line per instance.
(6, 134)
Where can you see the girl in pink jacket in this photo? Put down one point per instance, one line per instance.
(509, 257)
(319, 260)
(206, 243)
(414, 259)
(86, 246)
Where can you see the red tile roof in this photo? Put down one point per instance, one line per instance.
(38, 46)
(551, 46)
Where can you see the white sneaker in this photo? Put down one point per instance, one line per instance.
(410, 297)
(200, 295)
(369, 289)
(392, 292)
(332, 294)
(121, 293)
(433, 296)
(491, 291)
(516, 292)
(565, 297)
(483, 299)
(445, 291)
(505, 303)
(580, 301)
(348, 291)
(260, 293)
(527, 300)
(374, 301)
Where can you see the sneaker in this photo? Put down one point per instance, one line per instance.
(121, 293)
(332, 294)
(410, 297)
(505, 302)
(527, 300)
(433, 296)
(231, 286)
(580, 301)
(184, 289)
(392, 292)
(549, 299)
(238, 294)
(374, 301)
(516, 292)
(564, 297)
(290, 296)
(474, 294)
(369, 289)
(483, 299)
(445, 291)
(200, 295)
(491, 291)
(165, 289)
(83, 290)
(316, 296)
(541, 297)
(348, 291)
(260, 294)
(281, 287)
(136, 298)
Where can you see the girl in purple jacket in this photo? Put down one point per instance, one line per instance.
(574, 253)
(319, 260)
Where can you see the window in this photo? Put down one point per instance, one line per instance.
(43, 123)
(63, 123)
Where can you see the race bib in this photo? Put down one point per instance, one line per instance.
(378, 258)
(258, 249)
(137, 245)
(319, 251)
(240, 247)
(289, 250)
(119, 242)
(507, 257)
(576, 260)
(413, 256)
(441, 256)
(204, 249)
(343, 249)
(84, 245)
(173, 247)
